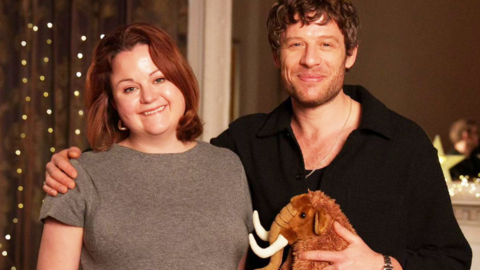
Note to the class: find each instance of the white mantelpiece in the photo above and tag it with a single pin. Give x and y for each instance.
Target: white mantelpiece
(466, 206)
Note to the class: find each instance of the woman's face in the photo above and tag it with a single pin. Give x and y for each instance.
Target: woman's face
(147, 103)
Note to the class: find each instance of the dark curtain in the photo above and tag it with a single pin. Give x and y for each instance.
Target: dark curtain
(42, 75)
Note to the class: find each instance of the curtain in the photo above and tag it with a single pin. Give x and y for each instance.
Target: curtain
(45, 51)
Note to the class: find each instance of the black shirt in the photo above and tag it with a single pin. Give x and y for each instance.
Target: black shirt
(387, 180)
(314, 180)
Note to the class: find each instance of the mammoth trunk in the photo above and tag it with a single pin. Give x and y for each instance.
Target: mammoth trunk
(277, 239)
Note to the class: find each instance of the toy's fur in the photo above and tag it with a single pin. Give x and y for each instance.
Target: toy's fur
(328, 240)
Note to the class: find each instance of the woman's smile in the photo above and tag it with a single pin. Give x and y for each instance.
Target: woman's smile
(154, 111)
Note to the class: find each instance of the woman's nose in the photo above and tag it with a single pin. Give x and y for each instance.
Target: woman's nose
(149, 95)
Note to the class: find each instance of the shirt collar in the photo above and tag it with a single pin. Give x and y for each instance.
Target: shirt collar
(375, 115)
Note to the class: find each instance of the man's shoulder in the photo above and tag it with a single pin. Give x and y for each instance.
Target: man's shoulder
(401, 122)
(241, 131)
(248, 126)
(382, 115)
(256, 120)
(407, 130)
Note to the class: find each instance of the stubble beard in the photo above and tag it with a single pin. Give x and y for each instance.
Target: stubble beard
(322, 93)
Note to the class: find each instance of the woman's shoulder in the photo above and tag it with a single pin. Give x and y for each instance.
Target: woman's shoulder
(218, 156)
(216, 152)
(89, 159)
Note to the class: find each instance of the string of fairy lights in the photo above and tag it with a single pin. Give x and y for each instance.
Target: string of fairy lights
(25, 117)
(466, 189)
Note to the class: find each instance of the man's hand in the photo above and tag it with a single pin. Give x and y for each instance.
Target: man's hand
(356, 256)
(60, 173)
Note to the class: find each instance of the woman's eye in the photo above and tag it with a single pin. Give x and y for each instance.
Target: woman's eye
(303, 215)
(129, 89)
(159, 80)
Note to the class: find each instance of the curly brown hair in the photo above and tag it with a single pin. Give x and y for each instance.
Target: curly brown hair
(102, 117)
(283, 14)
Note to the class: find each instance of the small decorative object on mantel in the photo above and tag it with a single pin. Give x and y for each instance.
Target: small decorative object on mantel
(446, 161)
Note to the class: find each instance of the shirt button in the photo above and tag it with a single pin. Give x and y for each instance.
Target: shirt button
(299, 176)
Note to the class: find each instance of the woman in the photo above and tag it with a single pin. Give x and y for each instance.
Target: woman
(142, 101)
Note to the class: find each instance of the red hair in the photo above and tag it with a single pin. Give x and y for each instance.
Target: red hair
(102, 117)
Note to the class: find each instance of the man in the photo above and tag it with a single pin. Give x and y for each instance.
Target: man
(380, 167)
(465, 140)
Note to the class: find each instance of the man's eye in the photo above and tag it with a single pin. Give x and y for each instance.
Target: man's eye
(129, 89)
(326, 45)
(295, 45)
(159, 80)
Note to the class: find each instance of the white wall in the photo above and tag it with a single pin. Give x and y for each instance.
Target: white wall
(209, 49)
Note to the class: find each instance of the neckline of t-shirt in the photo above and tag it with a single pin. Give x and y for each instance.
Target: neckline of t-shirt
(119, 147)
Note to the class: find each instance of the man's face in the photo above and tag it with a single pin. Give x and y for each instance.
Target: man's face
(312, 60)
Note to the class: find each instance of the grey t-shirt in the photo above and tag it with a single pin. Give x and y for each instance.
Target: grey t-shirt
(189, 210)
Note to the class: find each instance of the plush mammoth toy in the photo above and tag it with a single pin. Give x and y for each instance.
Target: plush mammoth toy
(306, 223)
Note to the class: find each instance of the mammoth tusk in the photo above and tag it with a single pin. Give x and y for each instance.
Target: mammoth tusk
(261, 232)
(278, 245)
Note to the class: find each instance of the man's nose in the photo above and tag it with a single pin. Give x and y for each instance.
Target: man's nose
(311, 57)
(149, 95)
